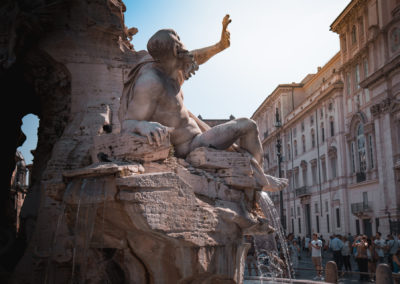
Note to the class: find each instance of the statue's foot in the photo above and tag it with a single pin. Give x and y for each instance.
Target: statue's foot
(275, 184)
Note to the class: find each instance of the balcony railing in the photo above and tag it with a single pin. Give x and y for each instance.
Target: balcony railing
(302, 191)
(360, 207)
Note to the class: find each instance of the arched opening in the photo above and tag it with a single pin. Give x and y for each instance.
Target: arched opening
(37, 87)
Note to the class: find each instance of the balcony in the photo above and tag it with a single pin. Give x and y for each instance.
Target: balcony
(302, 191)
(360, 208)
(361, 176)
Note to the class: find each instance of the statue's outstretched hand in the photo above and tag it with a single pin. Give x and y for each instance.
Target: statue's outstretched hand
(225, 41)
(154, 131)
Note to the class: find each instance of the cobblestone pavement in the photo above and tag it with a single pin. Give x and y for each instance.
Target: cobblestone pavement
(306, 271)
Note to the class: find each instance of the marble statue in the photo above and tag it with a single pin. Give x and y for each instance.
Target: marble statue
(152, 103)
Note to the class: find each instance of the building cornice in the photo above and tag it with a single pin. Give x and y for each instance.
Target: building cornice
(280, 88)
(348, 12)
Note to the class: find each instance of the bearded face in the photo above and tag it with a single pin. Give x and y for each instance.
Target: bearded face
(187, 64)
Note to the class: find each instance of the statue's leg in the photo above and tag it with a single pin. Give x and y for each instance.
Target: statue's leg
(224, 135)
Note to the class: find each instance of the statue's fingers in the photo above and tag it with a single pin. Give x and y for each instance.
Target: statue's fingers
(149, 139)
(156, 136)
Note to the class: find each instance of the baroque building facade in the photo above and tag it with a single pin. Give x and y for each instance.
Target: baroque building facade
(340, 130)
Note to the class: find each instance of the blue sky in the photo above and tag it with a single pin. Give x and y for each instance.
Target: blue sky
(272, 42)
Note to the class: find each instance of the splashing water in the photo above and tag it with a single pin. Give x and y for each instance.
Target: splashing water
(269, 259)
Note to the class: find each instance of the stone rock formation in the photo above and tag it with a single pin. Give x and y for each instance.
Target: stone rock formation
(102, 205)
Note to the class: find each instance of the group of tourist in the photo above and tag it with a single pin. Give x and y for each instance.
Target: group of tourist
(367, 252)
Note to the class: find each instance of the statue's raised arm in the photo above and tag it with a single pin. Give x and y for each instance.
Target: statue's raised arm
(203, 54)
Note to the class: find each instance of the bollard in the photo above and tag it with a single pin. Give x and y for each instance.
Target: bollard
(331, 275)
(384, 274)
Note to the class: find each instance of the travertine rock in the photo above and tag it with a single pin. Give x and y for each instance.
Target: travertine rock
(129, 147)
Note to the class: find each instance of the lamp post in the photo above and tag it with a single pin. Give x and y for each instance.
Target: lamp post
(278, 126)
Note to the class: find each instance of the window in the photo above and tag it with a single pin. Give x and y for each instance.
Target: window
(344, 43)
(361, 23)
(302, 126)
(332, 125)
(298, 210)
(337, 218)
(322, 112)
(354, 35)
(365, 198)
(296, 179)
(303, 140)
(292, 225)
(326, 206)
(349, 105)
(334, 167)
(357, 76)
(317, 220)
(361, 148)
(299, 223)
(304, 172)
(288, 152)
(330, 106)
(312, 138)
(294, 131)
(371, 152)
(323, 166)
(295, 148)
(322, 132)
(365, 64)
(314, 174)
(348, 83)
(353, 164)
(291, 211)
(327, 223)
(316, 207)
(311, 119)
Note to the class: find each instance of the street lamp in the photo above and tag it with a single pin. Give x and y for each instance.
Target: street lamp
(278, 125)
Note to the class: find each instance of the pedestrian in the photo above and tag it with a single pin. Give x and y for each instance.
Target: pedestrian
(361, 245)
(316, 257)
(307, 244)
(396, 262)
(379, 247)
(336, 246)
(373, 258)
(346, 251)
(391, 247)
(295, 255)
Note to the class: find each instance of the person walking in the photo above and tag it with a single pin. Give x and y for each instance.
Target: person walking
(316, 256)
(336, 246)
(346, 252)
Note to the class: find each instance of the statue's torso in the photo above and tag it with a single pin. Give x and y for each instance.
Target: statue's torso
(170, 111)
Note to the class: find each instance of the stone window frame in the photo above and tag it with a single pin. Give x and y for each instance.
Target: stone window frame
(313, 141)
(314, 172)
(332, 154)
(357, 119)
(353, 33)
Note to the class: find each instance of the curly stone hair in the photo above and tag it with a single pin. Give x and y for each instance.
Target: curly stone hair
(162, 43)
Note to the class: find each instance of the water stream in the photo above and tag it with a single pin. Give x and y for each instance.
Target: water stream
(273, 257)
